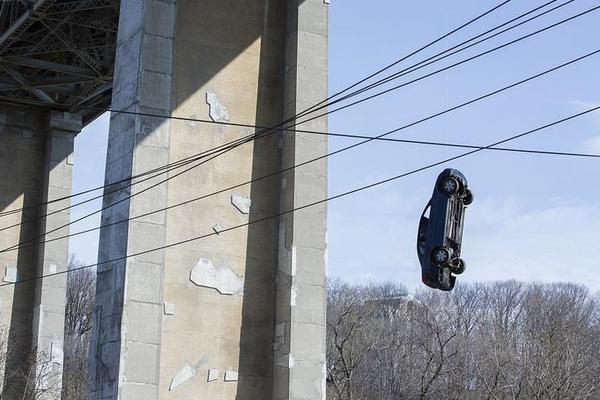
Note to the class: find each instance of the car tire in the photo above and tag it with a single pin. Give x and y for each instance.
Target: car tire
(459, 266)
(468, 199)
(440, 256)
(449, 186)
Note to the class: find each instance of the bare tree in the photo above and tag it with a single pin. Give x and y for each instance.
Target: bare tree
(81, 290)
(492, 341)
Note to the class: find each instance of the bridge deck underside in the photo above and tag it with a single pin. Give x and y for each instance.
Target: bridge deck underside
(58, 54)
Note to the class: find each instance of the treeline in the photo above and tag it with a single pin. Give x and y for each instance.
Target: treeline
(500, 341)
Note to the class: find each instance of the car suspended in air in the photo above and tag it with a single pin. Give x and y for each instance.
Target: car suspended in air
(440, 232)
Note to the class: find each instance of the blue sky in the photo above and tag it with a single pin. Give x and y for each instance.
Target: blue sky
(534, 217)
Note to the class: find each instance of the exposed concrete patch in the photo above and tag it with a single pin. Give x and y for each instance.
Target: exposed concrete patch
(56, 353)
(231, 376)
(216, 110)
(243, 204)
(213, 375)
(10, 274)
(293, 295)
(169, 308)
(184, 374)
(225, 281)
(52, 268)
(218, 228)
(286, 361)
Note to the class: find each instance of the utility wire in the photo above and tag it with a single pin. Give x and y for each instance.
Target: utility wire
(367, 140)
(256, 136)
(449, 52)
(290, 119)
(310, 119)
(315, 203)
(453, 65)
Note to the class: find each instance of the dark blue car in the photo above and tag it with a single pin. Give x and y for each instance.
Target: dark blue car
(440, 230)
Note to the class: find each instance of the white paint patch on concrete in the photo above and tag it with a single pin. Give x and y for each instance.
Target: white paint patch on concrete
(218, 228)
(56, 353)
(184, 374)
(169, 308)
(324, 382)
(225, 281)
(286, 361)
(52, 268)
(293, 267)
(71, 159)
(293, 295)
(216, 110)
(213, 375)
(231, 376)
(10, 274)
(243, 204)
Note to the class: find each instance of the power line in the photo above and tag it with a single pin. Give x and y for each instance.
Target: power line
(327, 199)
(308, 110)
(403, 141)
(291, 118)
(258, 135)
(449, 52)
(454, 65)
(367, 139)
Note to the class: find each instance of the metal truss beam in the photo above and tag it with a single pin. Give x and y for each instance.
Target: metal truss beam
(49, 65)
(25, 85)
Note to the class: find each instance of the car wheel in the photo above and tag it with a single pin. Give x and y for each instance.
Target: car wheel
(450, 186)
(440, 256)
(468, 199)
(458, 266)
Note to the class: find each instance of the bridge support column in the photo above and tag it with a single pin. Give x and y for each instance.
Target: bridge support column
(36, 163)
(238, 314)
(301, 281)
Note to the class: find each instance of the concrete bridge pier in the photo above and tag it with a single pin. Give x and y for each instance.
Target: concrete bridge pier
(35, 166)
(240, 314)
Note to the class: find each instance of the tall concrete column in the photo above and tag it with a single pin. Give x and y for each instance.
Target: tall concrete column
(125, 348)
(35, 166)
(198, 320)
(52, 257)
(301, 283)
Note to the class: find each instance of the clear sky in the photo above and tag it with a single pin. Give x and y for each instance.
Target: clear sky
(535, 217)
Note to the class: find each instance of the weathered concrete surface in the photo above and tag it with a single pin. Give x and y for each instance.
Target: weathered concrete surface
(34, 151)
(125, 347)
(223, 60)
(299, 371)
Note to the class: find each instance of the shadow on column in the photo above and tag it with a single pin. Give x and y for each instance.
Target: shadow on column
(258, 312)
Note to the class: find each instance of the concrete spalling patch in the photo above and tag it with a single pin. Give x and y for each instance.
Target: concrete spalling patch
(242, 203)
(218, 228)
(184, 374)
(231, 376)
(216, 109)
(213, 375)
(10, 274)
(219, 277)
(169, 308)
